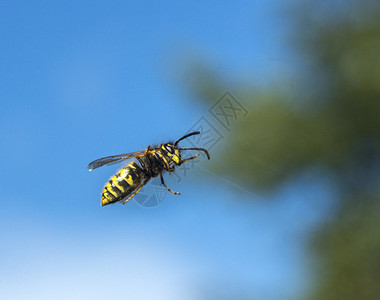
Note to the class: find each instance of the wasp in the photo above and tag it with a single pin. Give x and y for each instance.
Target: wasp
(130, 179)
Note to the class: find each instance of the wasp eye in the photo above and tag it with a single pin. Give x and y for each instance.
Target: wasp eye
(169, 149)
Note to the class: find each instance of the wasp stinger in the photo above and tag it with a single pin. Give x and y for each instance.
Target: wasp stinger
(129, 180)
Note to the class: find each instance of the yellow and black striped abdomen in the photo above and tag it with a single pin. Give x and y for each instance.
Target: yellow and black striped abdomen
(123, 183)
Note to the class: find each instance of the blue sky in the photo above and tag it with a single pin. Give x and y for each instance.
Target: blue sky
(91, 79)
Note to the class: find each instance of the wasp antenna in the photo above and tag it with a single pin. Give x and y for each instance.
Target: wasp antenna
(186, 136)
(201, 149)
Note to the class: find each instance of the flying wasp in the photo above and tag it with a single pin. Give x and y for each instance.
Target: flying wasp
(130, 179)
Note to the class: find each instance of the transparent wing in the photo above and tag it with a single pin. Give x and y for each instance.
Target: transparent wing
(114, 159)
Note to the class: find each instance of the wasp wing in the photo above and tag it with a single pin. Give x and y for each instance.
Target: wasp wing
(114, 159)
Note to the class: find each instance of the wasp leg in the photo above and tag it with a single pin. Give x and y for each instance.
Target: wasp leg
(134, 193)
(187, 159)
(149, 149)
(201, 149)
(162, 181)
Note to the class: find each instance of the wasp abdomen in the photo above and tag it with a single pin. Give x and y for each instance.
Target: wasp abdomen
(122, 183)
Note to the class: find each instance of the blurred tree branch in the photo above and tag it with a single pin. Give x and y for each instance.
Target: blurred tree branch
(338, 128)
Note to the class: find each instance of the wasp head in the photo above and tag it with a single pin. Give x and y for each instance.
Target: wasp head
(172, 153)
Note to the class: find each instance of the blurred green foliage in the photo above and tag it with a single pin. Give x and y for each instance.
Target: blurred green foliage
(331, 121)
(349, 248)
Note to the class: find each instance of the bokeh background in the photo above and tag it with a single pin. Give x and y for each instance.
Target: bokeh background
(288, 206)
